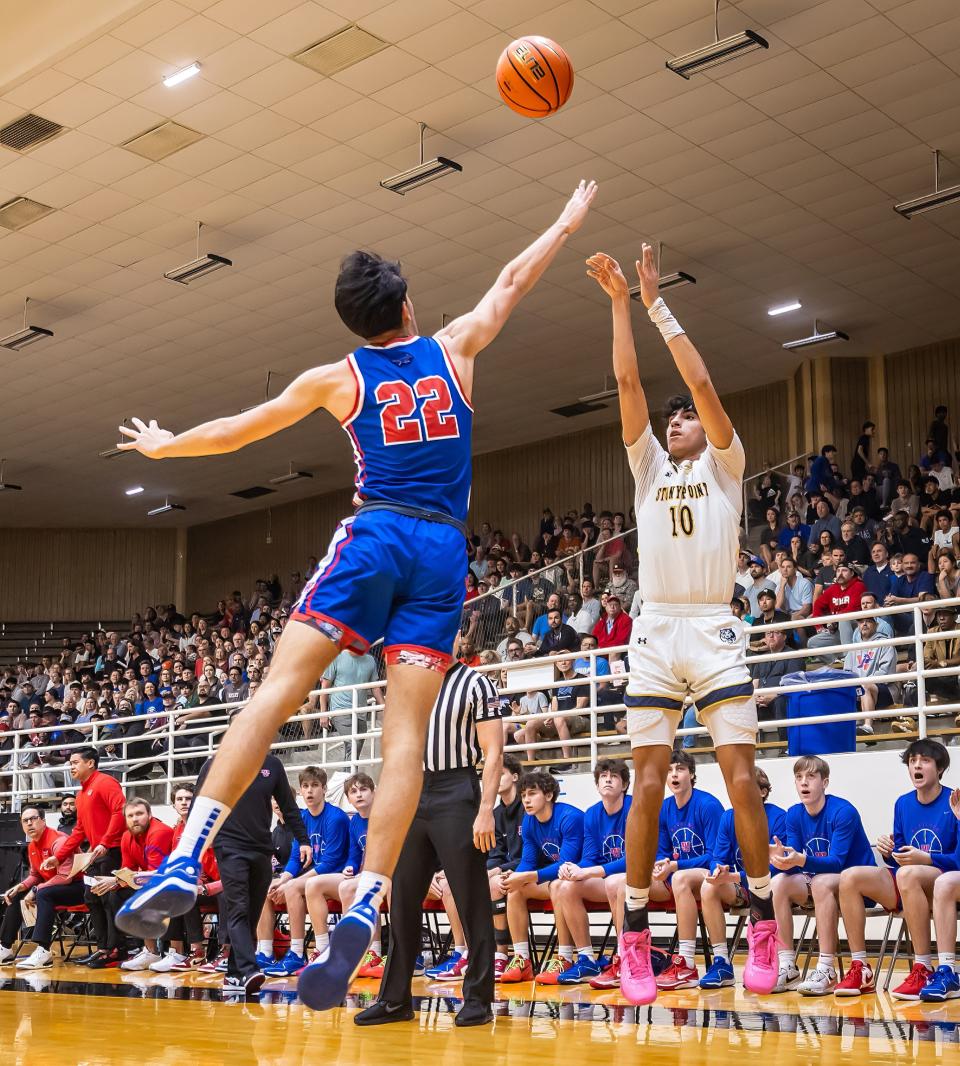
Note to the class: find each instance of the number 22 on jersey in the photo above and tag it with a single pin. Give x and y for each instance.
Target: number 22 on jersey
(404, 420)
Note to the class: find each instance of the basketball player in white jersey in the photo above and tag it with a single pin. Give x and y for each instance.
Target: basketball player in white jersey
(685, 640)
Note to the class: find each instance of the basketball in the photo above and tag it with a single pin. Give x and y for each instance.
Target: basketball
(534, 76)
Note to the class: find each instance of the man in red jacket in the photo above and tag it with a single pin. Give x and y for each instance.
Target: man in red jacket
(47, 888)
(613, 628)
(842, 597)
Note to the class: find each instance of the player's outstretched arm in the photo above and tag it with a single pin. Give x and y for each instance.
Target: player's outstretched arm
(689, 362)
(469, 334)
(312, 389)
(634, 414)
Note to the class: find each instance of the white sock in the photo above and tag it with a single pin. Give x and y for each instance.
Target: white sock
(371, 891)
(587, 952)
(521, 948)
(500, 955)
(786, 959)
(205, 818)
(296, 946)
(687, 949)
(323, 941)
(759, 886)
(636, 898)
(720, 951)
(565, 951)
(858, 956)
(265, 947)
(460, 949)
(376, 947)
(945, 958)
(827, 962)
(924, 960)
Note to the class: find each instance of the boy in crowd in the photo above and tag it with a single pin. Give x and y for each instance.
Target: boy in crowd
(552, 836)
(824, 837)
(922, 847)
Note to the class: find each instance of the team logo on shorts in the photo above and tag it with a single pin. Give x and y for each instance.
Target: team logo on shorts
(728, 635)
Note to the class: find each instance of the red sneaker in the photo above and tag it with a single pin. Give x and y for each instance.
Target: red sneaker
(678, 975)
(610, 977)
(313, 957)
(372, 965)
(857, 980)
(499, 965)
(517, 969)
(914, 984)
(552, 970)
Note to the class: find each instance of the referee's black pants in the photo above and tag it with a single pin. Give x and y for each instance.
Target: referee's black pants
(245, 876)
(442, 833)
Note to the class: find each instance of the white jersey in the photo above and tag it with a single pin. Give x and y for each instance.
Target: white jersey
(688, 521)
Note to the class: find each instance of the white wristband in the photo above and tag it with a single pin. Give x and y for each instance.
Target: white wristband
(661, 317)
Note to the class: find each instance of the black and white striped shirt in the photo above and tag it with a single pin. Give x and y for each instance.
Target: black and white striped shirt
(465, 699)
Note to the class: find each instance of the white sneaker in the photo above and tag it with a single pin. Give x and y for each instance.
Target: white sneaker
(143, 960)
(7, 956)
(39, 960)
(787, 979)
(821, 982)
(173, 960)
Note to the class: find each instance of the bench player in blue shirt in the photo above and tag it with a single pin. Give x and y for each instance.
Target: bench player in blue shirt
(944, 983)
(395, 569)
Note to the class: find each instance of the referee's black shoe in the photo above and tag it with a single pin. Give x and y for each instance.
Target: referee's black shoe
(473, 1012)
(383, 1013)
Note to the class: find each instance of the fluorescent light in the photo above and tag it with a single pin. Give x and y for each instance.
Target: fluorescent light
(938, 198)
(167, 506)
(711, 55)
(24, 337)
(817, 337)
(291, 475)
(597, 397)
(182, 75)
(197, 268)
(5, 486)
(795, 305)
(668, 281)
(425, 171)
(135, 491)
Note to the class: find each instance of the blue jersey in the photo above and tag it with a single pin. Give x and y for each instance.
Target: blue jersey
(604, 838)
(726, 849)
(411, 427)
(931, 827)
(833, 840)
(358, 842)
(548, 845)
(329, 833)
(688, 833)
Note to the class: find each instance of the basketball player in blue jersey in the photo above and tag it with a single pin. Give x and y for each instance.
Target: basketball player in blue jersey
(395, 569)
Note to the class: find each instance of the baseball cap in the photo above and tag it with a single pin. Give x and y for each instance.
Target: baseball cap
(66, 718)
(755, 560)
(767, 591)
(618, 567)
(166, 691)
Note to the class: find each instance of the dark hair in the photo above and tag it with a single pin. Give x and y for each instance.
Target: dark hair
(931, 749)
(369, 294)
(358, 780)
(827, 448)
(89, 755)
(612, 766)
(138, 801)
(678, 755)
(680, 402)
(944, 513)
(512, 764)
(868, 425)
(185, 787)
(940, 409)
(763, 782)
(540, 781)
(314, 775)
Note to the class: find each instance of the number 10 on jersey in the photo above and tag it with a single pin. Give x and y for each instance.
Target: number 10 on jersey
(682, 519)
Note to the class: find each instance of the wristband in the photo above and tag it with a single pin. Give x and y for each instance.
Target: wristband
(661, 317)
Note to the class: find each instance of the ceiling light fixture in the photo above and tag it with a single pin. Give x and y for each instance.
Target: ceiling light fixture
(135, 491)
(782, 309)
(665, 281)
(712, 55)
(26, 336)
(167, 506)
(4, 487)
(938, 198)
(292, 475)
(424, 172)
(817, 337)
(199, 267)
(182, 75)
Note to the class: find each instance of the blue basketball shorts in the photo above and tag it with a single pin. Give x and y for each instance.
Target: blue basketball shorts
(393, 576)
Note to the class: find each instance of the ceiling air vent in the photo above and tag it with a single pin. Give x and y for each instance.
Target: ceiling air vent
(573, 410)
(161, 141)
(340, 50)
(20, 212)
(27, 132)
(253, 492)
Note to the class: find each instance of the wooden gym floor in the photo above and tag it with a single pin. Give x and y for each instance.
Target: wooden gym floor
(67, 1016)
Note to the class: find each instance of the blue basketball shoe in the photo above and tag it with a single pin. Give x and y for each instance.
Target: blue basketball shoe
(171, 891)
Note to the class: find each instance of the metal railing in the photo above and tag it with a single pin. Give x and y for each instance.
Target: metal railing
(33, 769)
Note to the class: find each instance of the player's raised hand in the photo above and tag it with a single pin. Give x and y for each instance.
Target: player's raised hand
(606, 272)
(649, 274)
(572, 216)
(955, 802)
(149, 440)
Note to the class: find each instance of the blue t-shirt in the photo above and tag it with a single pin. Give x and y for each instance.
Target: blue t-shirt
(833, 840)
(329, 833)
(604, 838)
(548, 845)
(542, 624)
(726, 849)
(582, 666)
(931, 827)
(922, 584)
(787, 534)
(688, 834)
(358, 841)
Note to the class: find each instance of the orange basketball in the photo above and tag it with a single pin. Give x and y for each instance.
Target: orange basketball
(534, 76)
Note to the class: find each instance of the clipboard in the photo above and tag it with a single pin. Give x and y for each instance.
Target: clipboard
(128, 878)
(81, 861)
(29, 912)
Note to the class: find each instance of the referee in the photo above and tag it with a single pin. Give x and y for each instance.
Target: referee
(452, 829)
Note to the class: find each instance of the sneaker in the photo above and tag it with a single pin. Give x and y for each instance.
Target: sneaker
(499, 965)
(93, 957)
(372, 966)
(637, 981)
(39, 960)
(173, 960)
(914, 984)
(313, 957)
(418, 966)
(196, 959)
(290, 964)
(678, 975)
(583, 970)
(450, 969)
(760, 974)
(856, 981)
(864, 730)
(171, 891)
(788, 977)
(143, 960)
(609, 978)
(263, 960)
(107, 960)
(720, 975)
(942, 984)
(550, 971)
(217, 965)
(243, 986)
(518, 969)
(325, 984)
(7, 956)
(821, 982)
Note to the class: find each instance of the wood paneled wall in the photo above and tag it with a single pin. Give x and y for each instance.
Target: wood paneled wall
(760, 416)
(916, 382)
(84, 574)
(850, 396)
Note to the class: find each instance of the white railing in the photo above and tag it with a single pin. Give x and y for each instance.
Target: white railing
(358, 747)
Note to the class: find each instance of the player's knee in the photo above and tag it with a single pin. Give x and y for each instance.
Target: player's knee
(780, 886)
(821, 891)
(709, 892)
